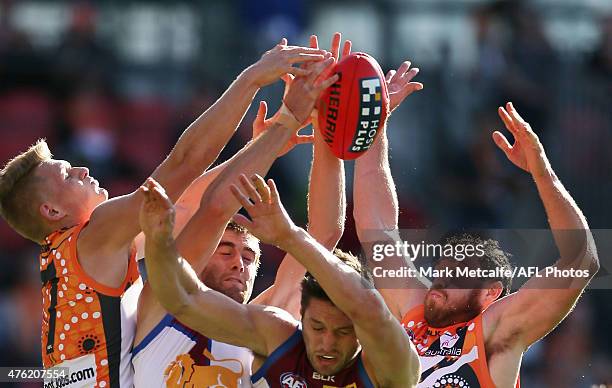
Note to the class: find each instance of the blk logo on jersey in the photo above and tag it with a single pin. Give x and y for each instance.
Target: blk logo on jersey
(369, 114)
(291, 380)
(317, 376)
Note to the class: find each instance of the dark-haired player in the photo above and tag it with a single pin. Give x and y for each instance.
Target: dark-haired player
(347, 336)
(467, 333)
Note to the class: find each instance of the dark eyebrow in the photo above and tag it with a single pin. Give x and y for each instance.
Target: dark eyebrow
(232, 245)
(250, 250)
(315, 321)
(345, 328)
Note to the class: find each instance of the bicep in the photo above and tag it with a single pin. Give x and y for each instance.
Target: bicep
(538, 307)
(113, 224)
(219, 317)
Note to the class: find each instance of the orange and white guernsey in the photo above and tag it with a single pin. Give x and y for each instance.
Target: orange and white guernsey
(452, 356)
(87, 327)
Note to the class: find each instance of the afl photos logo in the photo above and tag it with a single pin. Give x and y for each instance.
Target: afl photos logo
(291, 380)
(370, 112)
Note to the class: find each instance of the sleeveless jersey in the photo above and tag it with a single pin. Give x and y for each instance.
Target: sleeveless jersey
(172, 355)
(288, 367)
(86, 327)
(452, 356)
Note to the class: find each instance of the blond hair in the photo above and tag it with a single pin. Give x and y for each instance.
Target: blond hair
(19, 198)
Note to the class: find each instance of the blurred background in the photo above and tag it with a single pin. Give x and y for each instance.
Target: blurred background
(111, 85)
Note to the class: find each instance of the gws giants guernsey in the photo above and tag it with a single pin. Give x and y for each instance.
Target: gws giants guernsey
(172, 355)
(288, 367)
(452, 356)
(87, 327)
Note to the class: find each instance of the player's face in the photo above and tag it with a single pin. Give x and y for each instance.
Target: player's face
(70, 189)
(329, 337)
(451, 300)
(231, 270)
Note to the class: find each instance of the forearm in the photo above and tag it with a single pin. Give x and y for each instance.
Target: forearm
(326, 214)
(256, 158)
(374, 194)
(170, 276)
(326, 196)
(341, 283)
(567, 223)
(201, 143)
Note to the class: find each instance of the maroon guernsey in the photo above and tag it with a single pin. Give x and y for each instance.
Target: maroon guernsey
(288, 367)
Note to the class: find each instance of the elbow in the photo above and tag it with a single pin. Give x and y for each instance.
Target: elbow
(330, 239)
(215, 205)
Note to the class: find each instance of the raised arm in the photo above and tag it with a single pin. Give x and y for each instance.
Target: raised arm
(544, 301)
(178, 289)
(326, 210)
(217, 205)
(375, 198)
(389, 352)
(114, 224)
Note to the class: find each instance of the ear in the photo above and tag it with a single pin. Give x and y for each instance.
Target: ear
(492, 292)
(50, 212)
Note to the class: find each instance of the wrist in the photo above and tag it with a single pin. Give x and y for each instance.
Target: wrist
(293, 239)
(287, 119)
(250, 76)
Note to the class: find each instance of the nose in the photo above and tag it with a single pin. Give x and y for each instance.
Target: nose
(328, 341)
(237, 262)
(82, 172)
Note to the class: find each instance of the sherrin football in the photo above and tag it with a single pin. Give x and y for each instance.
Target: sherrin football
(353, 110)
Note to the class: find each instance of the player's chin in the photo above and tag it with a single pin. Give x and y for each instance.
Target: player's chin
(235, 293)
(327, 369)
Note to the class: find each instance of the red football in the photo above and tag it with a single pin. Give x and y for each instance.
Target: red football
(354, 109)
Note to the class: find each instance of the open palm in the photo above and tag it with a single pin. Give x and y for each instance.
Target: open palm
(269, 220)
(527, 152)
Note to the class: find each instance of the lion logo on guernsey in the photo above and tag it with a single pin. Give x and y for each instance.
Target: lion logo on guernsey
(183, 372)
(291, 380)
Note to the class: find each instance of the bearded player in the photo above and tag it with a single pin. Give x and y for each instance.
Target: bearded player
(87, 260)
(470, 332)
(169, 353)
(347, 336)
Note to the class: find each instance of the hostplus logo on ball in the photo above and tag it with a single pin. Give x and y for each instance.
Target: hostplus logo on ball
(369, 114)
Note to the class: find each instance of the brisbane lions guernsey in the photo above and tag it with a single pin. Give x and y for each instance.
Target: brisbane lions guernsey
(288, 367)
(87, 327)
(452, 356)
(173, 355)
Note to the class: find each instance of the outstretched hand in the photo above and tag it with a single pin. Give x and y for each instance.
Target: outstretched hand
(156, 212)
(261, 124)
(279, 61)
(527, 152)
(269, 220)
(399, 84)
(305, 90)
